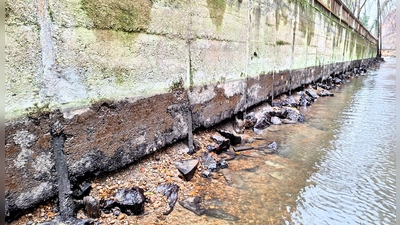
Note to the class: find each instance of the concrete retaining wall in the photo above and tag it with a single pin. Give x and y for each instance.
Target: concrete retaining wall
(124, 78)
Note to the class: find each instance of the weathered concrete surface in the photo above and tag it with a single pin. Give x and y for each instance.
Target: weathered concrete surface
(123, 77)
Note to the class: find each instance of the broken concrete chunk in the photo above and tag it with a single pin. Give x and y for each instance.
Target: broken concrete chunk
(262, 123)
(233, 139)
(187, 167)
(92, 207)
(250, 120)
(222, 142)
(273, 145)
(82, 190)
(130, 201)
(311, 93)
(209, 162)
(193, 204)
(171, 192)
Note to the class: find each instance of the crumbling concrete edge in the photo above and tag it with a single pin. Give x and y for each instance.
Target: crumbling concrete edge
(111, 135)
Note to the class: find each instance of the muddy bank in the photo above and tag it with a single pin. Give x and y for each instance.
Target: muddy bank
(161, 168)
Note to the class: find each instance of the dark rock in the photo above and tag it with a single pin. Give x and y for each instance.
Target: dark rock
(289, 101)
(250, 120)
(276, 104)
(304, 100)
(222, 164)
(337, 80)
(193, 204)
(82, 190)
(242, 148)
(130, 201)
(205, 174)
(187, 167)
(222, 142)
(262, 123)
(220, 214)
(92, 207)
(291, 113)
(324, 86)
(273, 145)
(301, 118)
(69, 221)
(209, 162)
(211, 148)
(233, 139)
(116, 211)
(171, 192)
(312, 94)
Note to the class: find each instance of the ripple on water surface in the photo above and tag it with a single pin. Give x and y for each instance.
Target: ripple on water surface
(355, 179)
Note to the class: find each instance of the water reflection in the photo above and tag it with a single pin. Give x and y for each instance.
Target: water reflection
(355, 178)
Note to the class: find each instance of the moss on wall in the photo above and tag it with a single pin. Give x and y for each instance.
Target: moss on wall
(125, 15)
(217, 11)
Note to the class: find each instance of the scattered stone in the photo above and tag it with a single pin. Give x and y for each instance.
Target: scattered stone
(83, 189)
(311, 93)
(209, 162)
(222, 142)
(242, 148)
(262, 123)
(337, 80)
(92, 207)
(250, 120)
(291, 113)
(273, 145)
(222, 164)
(193, 204)
(233, 139)
(276, 120)
(130, 201)
(187, 167)
(116, 211)
(304, 100)
(171, 192)
(211, 148)
(289, 101)
(220, 214)
(205, 174)
(325, 87)
(301, 118)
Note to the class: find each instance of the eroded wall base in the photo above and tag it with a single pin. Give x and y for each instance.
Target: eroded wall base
(110, 135)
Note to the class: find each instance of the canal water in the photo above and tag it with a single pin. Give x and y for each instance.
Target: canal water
(354, 181)
(336, 168)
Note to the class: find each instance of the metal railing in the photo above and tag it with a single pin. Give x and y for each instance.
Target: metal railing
(340, 10)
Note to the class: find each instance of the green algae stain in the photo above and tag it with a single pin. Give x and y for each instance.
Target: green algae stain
(217, 11)
(124, 15)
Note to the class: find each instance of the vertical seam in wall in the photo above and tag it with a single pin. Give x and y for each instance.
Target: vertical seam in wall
(246, 69)
(47, 49)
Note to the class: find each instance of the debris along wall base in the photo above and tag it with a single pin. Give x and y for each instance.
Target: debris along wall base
(123, 85)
